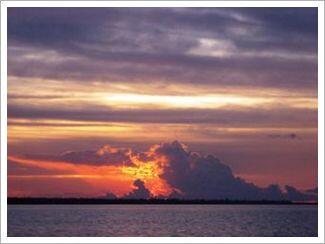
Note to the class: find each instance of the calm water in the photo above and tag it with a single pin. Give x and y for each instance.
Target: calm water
(162, 220)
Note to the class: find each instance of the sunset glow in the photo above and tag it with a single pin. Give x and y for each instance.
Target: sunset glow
(191, 103)
(98, 176)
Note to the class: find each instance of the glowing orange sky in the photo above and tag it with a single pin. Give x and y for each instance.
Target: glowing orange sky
(116, 179)
(243, 88)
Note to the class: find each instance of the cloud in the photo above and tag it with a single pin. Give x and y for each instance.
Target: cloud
(201, 176)
(140, 191)
(106, 155)
(206, 177)
(110, 195)
(114, 66)
(295, 195)
(258, 117)
(313, 190)
(183, 173)
(283, 136)
(119, 44)
(218, 48)
(59, 26)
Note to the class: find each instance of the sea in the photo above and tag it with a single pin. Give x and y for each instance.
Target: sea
(162, 220)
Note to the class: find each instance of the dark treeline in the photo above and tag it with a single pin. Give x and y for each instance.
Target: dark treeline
(33, 200)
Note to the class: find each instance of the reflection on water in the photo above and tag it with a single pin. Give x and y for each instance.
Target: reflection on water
(162, 220)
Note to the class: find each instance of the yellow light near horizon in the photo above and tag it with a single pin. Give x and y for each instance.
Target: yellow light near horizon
(143, 171)
(203, 101)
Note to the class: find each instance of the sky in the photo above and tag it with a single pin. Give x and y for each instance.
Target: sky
(170, 102)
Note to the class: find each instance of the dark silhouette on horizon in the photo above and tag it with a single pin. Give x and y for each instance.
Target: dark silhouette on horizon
(45, 200)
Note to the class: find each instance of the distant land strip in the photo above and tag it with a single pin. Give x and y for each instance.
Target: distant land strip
(34, 200)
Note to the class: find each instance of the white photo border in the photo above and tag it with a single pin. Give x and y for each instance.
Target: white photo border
(152, 4)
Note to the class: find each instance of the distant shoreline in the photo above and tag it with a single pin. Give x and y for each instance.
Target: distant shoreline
(96, 201)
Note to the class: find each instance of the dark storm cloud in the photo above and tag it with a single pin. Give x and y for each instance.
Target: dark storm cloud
(139, 44)
(296, 195)
(206, 177)
(257, 117)
(140, 191)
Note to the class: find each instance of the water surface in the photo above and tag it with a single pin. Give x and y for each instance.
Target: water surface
(162, 220)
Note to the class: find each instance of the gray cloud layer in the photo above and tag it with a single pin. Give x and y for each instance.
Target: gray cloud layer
(270, 47)
(298, 117)
(105, 155)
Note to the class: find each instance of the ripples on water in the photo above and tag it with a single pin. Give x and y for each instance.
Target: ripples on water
(162, 220)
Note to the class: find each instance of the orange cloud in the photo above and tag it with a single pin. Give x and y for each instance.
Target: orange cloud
(117, 179)
(167, 169)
